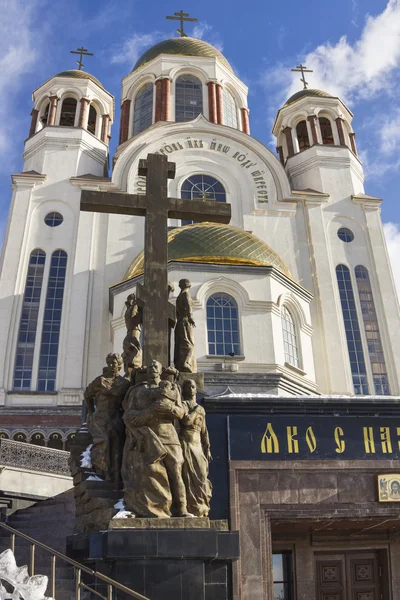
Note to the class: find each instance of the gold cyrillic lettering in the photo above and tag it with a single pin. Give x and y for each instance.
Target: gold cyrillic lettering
(269, 442)
(293, 444)
(341, 444)
(369, 443)
(385, 440)
(310, 439)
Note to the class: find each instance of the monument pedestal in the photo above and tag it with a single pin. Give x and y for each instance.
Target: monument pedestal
(162, 564)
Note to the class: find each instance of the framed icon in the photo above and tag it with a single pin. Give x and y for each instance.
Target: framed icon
(389, 487)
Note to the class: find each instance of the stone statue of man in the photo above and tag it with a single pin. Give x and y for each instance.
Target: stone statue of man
(152, 463)
(104, 398)
(184, 351)
(132, 350)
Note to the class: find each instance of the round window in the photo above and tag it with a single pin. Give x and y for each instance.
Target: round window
(346, 235)
(53, 219)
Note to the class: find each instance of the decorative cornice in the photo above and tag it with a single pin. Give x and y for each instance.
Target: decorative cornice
(40, 141)
(367, 202)
(28, 179)
(333, 162)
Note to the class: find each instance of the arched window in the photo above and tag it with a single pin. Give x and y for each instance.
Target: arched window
(189, 98)
(19, 437)
(68, 111)
(203, 187)
(52, 323)
(4, 435)
(92, 119)
(38, 439)
(372, 333)
(229, 109)
(143, 110)
(302, 135)
(222, 325)
(45, 114)
(326, 131)
(289, 338)
(29, 320)
(55, 441)
(352, 329)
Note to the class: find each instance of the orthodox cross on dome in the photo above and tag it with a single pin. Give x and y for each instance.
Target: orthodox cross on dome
(82, 52)
(157, 208)
(302, 69)
(182, 17)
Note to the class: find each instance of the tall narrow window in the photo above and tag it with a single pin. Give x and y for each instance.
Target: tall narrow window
(203, 187)
(92, 119)
(143, 109)
(372, 333)
(29, 320)
(302, 135)
(326, 131)
(45, 114)
(68, 111)
(189, 98)
(282, 569)
(222, 325)
(52, 323)
(289, 338)
(352, 328)
(229, 109)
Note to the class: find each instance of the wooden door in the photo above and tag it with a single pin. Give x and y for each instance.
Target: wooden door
(348, 576)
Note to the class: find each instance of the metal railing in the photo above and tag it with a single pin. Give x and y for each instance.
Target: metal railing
(111, 584)
(30, 457)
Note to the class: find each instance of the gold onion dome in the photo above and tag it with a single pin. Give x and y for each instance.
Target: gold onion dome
(79, 75)
(303, 93)
(212, 243)
(181, 46)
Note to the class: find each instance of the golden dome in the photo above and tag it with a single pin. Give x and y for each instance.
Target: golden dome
(213, 243)
(303, 93)
(79, 75)
(183, 46)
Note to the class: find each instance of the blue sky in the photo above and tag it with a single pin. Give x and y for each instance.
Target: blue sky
(352, 45)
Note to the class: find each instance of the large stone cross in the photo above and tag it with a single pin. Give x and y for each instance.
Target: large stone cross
(156, 207)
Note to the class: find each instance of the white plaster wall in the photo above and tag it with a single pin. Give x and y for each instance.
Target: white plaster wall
(32, 483)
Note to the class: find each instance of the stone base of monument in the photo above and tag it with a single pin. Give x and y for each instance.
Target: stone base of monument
(162, 563)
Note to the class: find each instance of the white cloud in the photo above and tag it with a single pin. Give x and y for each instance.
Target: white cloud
(392, 234)
(132, 48)
(204, 31)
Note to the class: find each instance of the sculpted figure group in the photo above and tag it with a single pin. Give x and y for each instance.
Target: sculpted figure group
(148, 431)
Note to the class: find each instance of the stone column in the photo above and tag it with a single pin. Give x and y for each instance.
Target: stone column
(245, 120)
(104, 128)
(159, 94)
(124, 124)
(312, 119)
(51, 119)
(220, 116)
(279, 151)
(339, 124)
(289, 140)
(34, 115)
(212, 102)
(165, 99)
(83, 115)
(352, 137)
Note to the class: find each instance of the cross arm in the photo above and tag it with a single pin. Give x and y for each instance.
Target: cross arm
(113, 202)
(195, 210)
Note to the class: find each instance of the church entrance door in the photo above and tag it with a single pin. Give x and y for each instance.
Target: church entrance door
(348, 576)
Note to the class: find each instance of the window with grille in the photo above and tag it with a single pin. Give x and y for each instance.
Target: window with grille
(352, 329)
(222, 325)
(229, 109)
(29, 320)
(143, 109)
(289, 338)
(92, 120)
(302, 136)
(188, 98)
(52, 323)
(203, 187)
(68, 112)
(326, 131)
(372, 333)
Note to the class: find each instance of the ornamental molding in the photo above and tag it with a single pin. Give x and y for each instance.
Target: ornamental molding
(41, 141)
(28, 457)
(348, 161)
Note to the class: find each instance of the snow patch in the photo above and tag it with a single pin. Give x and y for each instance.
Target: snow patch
(124, 514)
(120, 505)
(86, 457)
(94, 478)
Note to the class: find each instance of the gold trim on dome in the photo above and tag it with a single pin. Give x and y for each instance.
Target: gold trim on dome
(182, 46)
(213, 243)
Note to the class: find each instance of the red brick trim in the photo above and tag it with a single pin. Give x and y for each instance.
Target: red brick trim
(212, 102)
(105, 128)
(245, 120)
(339, 123)
(124, 126)
(312, 119)
(51, 119)
(352, 137)
(289, 140)
(220, 116)
(165, 99)
(34, 115)
(158, 105)
(279, 151)
(83, 112)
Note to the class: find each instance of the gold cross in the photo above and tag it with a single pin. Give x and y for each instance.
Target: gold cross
(182, 17)
(82, 52)
(302, 69)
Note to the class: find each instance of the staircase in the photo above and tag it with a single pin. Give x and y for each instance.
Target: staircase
(49, 522)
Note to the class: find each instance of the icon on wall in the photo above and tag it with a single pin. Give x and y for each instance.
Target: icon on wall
(389, 487)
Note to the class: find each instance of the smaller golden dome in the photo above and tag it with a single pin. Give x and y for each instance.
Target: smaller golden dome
(213, 243)
(181, 46)
(303, 93)
(79, 75)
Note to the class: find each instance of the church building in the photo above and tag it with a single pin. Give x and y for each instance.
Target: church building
(297, 318)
